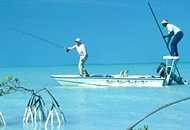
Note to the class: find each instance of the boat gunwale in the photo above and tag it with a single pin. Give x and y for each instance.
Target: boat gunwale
(116, 78)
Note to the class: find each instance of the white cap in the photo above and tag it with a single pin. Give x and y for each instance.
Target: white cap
(164, 21)
(77, 40)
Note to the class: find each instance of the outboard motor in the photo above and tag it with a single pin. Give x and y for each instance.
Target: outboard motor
(161, 70)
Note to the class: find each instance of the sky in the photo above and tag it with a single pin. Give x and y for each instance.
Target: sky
(114, 32)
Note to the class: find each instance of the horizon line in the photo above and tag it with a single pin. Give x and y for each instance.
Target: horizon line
(89, 64)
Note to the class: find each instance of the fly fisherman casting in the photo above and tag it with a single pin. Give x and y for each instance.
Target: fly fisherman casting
(81, 49)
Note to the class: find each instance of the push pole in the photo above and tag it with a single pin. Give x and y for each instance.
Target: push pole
(153, 14)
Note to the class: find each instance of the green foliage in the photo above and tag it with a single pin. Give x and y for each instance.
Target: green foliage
(144, 128)
(37, 103)
(8, 85)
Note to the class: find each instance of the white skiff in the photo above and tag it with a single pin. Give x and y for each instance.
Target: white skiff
(166, 76)
(111, 80)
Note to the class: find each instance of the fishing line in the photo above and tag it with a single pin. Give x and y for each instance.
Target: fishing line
(38, 37)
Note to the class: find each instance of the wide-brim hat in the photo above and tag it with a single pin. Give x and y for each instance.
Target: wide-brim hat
(164, 21)
(77, 40)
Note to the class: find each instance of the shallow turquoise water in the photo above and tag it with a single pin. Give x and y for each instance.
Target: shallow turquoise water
(100, 108)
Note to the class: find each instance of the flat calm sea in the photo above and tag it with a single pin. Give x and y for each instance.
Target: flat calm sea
(102, 108)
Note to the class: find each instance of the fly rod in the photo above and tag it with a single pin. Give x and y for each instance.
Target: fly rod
(158, 109)
(38, 37)
(153, 14)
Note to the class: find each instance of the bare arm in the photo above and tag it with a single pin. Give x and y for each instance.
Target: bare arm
(70, 48)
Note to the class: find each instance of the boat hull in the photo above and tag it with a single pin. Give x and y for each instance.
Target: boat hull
(112, 81)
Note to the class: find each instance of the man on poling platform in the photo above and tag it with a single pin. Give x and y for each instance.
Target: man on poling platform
(174, 35)
(81, 49)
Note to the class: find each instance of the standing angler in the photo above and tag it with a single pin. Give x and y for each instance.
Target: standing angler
(81, 49)
(175, 34)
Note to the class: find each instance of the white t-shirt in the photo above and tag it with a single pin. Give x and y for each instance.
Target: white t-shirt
(81, 49)
(173, 28)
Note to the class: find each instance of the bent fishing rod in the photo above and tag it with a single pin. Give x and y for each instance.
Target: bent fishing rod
(153, 14)
(38, 37)
(157, 110)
